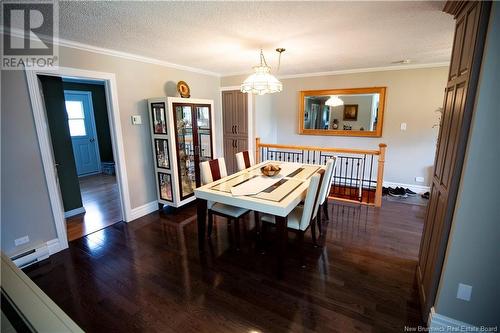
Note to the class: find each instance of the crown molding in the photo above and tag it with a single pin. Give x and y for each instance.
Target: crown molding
(131, 56)
(354, 71)
(136, 57)
(115, 53)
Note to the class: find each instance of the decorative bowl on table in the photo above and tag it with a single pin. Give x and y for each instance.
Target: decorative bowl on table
(270, 170)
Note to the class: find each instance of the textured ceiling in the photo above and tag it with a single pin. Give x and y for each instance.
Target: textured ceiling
(225, 37)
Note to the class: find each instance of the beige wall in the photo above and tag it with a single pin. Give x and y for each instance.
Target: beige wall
(25, 186)
(412, 97)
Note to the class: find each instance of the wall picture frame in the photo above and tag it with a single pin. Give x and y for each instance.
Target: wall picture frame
(165, 186)
(350, 112)
(162, 153)
(159, 118)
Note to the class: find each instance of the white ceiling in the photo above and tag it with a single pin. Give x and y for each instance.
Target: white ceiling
(225, 37)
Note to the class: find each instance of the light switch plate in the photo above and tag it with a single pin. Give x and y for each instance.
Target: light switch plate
(464, 292)
(136, 120)
(22, 240)
(403, 126)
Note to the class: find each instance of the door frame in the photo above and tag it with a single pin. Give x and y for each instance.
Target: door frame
(47, 154)
(88, 94)
(251, 133)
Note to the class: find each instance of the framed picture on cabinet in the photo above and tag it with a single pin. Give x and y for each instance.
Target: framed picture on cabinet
(162, 153)
(165, 183)
(159, 118)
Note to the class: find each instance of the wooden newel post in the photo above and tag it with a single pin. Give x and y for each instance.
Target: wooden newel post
(380, 175)
(257, 150)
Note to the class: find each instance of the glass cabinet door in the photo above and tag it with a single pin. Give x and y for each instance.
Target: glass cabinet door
(204, 131)
(185, 140)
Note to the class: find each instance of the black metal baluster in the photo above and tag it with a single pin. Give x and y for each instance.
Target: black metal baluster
(370, 183)
(363, 177)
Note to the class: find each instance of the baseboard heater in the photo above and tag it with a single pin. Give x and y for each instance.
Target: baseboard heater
(30, 257)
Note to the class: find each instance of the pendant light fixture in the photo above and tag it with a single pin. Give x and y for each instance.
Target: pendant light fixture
(262, 81)
(334, 101)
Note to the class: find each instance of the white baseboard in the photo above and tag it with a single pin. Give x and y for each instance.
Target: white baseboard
(54, 246)
(415, 188)
(440, 323)
(39, 253)
(73, 212)
(143, 210)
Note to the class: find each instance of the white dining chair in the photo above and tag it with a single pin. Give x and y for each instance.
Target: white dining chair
(325, 190)
(244, 160)
(303, 217)
(211, 171)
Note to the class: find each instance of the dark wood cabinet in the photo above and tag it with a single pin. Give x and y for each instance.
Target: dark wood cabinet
(235, 124)
(468, 45)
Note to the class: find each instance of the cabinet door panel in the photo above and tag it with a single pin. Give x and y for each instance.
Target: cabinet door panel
(241, 145)
(453, 133)
(228, 104)
(470, 33)
(443, 131)
(229, 154)
(185, 141)
(457, 48)
(240, 115)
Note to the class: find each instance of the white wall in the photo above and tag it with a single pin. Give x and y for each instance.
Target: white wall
(26, 211)
(413, 95)
(473, 254)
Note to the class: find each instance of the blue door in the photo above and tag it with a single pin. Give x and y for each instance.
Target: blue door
(82, 130)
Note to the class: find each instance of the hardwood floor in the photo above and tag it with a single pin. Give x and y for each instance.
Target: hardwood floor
(148, 275)
(101, 201)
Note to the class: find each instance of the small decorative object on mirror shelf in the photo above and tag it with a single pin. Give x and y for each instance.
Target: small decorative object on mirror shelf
(183, 89)
(335, 124)
(270, 170)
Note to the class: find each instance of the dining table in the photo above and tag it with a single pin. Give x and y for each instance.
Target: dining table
(277, 195)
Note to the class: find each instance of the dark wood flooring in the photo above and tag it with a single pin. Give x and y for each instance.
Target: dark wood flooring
(148, 276)
(352, 193)
(101, 201)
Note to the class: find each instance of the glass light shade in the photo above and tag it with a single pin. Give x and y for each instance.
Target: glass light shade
(261, 82)
(334, 101)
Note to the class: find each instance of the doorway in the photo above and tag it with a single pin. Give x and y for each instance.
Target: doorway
(80, 137)
(88, 123)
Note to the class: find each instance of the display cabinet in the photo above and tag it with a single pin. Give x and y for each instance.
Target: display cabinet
(182, 137)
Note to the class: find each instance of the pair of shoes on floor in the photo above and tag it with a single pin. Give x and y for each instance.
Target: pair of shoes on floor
(401, 192)
(426, 195)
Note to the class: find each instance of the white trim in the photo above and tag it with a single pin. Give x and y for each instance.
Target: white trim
(250, 120)
(73, 212)
(54, 246)
(146, 209)
(440, 323)
(45, 144)
(414, 188)
(39, 253)
(353, 71)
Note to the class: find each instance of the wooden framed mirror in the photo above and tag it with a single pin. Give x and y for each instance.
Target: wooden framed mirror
(344, 112)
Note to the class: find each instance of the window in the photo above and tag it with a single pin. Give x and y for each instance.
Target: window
(76, 118)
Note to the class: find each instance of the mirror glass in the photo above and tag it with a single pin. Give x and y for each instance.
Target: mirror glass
(356, 112)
